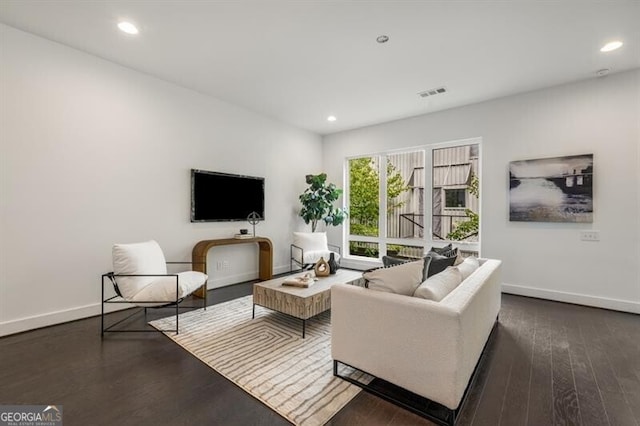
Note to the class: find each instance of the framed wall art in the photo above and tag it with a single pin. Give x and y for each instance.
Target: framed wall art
(558, 189)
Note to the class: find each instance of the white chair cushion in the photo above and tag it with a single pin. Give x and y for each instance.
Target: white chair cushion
(163, 289)
(437, 286)
(311, 241)
(399, 279)
(314, 256)
(314, 245)
(468, 266)
(137, 258)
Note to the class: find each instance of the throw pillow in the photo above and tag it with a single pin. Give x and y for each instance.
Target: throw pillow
(442, 250)
(439, 263)
(425, 268)
(137, 259)
(311, 241)
(440, 285)
(449, 253)
(392, 261)
(365, 272)
(468, 266)
(400, 279)
(459, 258)
(389, 261)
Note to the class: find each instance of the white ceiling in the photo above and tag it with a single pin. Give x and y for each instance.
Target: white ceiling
(300, 61)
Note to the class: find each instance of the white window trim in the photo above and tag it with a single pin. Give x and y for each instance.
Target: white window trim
(427, 242)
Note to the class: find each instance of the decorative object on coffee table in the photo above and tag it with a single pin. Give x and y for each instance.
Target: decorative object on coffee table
(322, 268)
(333, 265)
(304, 281)
(253, 219)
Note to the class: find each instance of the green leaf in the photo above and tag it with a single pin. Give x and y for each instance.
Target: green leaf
(317, 202)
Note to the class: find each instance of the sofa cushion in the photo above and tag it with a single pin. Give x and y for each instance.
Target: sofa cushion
(438, 286)
(399, 279)
(163, 289)
(468, 266)
(439, 263)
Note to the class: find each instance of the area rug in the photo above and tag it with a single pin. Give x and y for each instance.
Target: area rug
(268, 358)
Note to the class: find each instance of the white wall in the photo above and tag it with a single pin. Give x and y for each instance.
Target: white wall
(92, 153)
(599, 116)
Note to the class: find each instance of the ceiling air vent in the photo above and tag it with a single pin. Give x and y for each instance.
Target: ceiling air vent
(432, 92)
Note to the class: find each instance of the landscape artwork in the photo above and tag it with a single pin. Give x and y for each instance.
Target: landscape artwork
(556, 189)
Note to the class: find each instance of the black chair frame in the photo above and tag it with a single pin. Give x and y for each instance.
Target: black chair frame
(305, 266)
(119, 299)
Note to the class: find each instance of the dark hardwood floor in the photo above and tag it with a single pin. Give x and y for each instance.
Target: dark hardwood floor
(547, 363)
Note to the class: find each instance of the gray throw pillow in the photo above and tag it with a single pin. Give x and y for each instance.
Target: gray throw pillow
(439, 263)
(425, 267)
(392, 261)
(442, 250)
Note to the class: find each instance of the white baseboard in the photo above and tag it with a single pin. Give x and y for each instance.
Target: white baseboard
(57, 317)
(578, 299)
(72, 314)
(81, 312)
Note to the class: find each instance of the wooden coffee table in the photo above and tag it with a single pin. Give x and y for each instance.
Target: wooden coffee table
(302, 303)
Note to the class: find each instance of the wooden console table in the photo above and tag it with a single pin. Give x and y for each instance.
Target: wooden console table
(265, 257)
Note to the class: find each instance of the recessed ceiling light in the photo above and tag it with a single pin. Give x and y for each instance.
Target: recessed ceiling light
(128, 27)
(382, 39)
(331, 118)
(611, 46)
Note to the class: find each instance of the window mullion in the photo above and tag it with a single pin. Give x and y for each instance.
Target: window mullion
(382, 200)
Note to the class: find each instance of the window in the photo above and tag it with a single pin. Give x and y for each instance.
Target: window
(376, 221)
(364, 207)
(456, 182)
(388, 210)
(455, 198)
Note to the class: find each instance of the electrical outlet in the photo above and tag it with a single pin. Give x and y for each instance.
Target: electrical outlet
(590, 235)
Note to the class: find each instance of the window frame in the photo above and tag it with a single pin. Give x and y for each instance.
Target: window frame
(458, 191)
(427, 240)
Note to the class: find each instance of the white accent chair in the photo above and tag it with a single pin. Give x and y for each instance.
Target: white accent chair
(140, 278)
(308, 247)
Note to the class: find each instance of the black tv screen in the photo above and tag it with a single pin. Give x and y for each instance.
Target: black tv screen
(217, 197)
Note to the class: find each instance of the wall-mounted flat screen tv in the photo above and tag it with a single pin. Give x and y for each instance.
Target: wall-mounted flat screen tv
(219, 197)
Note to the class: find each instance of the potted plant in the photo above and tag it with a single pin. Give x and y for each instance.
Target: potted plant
(317, 202)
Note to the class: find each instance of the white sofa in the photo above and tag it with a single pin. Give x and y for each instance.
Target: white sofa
(429, 348)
